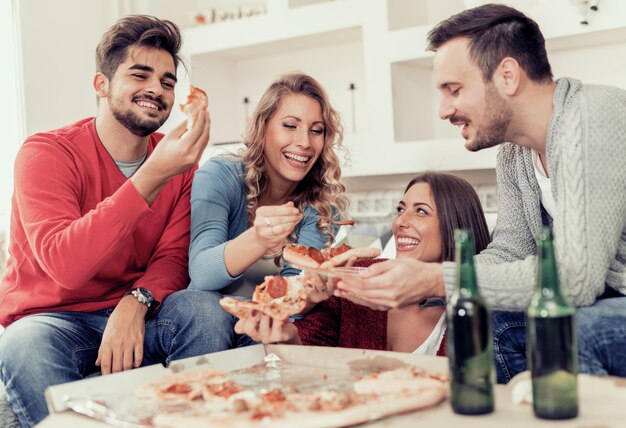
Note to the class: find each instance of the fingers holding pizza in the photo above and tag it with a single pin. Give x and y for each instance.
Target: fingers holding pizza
(180, 149)
(279, 297)
(265, 329)
(265, 317)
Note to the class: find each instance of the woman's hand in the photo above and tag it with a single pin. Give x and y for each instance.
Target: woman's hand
(274, 223)
(262, 328)
(393, 284)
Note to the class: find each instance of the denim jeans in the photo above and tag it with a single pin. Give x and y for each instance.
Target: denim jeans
(509, 344)
(601, 334)
(52, 348)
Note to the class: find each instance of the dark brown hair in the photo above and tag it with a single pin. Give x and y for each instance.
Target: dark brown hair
(136, 30)
(495, 32)
(458, 207)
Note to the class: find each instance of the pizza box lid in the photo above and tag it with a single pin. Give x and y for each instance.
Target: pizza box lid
(601, 399)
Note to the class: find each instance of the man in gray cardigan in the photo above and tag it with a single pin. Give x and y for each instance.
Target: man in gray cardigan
(562, 162)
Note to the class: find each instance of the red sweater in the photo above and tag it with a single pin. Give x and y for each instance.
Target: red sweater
(81, 234)
(339, 322)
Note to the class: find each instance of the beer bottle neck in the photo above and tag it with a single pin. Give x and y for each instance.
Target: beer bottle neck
(466, 283)
(548, 293)
(548, 276)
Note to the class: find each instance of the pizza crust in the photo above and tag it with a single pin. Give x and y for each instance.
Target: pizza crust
(291, 255)
(358, 253)
(295, 254)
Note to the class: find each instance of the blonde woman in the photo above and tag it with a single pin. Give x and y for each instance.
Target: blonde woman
(280, 190)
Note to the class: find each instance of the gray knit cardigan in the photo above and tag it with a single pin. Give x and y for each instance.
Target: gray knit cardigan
(586, 155)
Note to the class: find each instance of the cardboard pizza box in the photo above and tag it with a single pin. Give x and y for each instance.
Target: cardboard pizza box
(601, 399)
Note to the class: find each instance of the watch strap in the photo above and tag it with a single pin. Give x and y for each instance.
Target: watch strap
(432, 301)
(144, 296)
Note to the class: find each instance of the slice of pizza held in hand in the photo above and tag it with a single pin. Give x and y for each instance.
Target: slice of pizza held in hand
(197, 102)
(279, 297)
(310, 257)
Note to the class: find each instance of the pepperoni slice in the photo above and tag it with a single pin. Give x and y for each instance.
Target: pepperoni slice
(178, 388)
(300, 249)
(335, 251)
(316, 255)
(277, 287)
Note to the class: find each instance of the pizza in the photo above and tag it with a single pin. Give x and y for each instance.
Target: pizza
(279, 297)
(370, 397)
(197, 102)
(346, 222)
(190, 386)
(310, 257)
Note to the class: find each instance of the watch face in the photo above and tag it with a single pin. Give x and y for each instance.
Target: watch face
(143, 296)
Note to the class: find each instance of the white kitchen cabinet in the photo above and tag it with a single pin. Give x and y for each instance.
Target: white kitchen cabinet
(392, 128)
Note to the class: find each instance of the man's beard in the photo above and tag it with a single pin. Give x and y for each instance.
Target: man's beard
(135, 124)
(498, 116)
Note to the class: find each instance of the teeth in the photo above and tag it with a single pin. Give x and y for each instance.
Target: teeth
(408, 241)
(303, 159)
(147, 104)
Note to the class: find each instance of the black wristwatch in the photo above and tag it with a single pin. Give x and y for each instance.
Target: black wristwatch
(432, 301)
(143, 295)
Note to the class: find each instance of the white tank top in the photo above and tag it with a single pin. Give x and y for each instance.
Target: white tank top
(432, 343)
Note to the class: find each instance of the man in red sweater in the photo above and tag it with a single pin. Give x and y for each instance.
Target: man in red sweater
(100, 231)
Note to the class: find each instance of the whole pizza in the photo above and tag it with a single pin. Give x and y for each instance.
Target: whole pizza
(214, 399)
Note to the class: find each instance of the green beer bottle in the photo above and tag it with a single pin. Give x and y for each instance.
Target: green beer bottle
(470, 347)
(552, 350)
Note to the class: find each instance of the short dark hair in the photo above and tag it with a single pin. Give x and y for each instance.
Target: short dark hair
(136, 30)
(495, 32)
(458, 207)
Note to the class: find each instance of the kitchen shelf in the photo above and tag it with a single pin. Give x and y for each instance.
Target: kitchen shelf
(392, 127)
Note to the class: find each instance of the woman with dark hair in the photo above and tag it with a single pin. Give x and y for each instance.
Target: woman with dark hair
(433, 205)
(281, 189)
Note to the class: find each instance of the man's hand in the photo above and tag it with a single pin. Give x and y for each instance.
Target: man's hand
(178, 151)
(122, 340)
(393, 284)
(262, 328)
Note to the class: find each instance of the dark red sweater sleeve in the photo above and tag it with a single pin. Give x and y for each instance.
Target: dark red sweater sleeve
(320, 327)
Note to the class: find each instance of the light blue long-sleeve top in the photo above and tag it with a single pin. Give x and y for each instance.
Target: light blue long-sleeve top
(219, 214)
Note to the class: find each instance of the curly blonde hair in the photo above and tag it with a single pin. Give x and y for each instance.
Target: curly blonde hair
(322, 187)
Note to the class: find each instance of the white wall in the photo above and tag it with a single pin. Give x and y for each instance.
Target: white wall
(59, 39)
(10, 116)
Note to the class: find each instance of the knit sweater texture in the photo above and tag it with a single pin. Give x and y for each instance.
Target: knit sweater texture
(586, 157)
(82, 235)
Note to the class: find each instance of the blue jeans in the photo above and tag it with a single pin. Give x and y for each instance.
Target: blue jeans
(53, 348)
(601, 334)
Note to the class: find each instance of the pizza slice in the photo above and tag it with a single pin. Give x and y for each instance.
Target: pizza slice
(279, 297)
(303, 256)
(311, 258)
(197, 102)
(191, 386)
(341, 258)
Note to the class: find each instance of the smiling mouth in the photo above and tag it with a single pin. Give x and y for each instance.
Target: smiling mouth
(405, 243)
(296, 160)
(148, 104)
